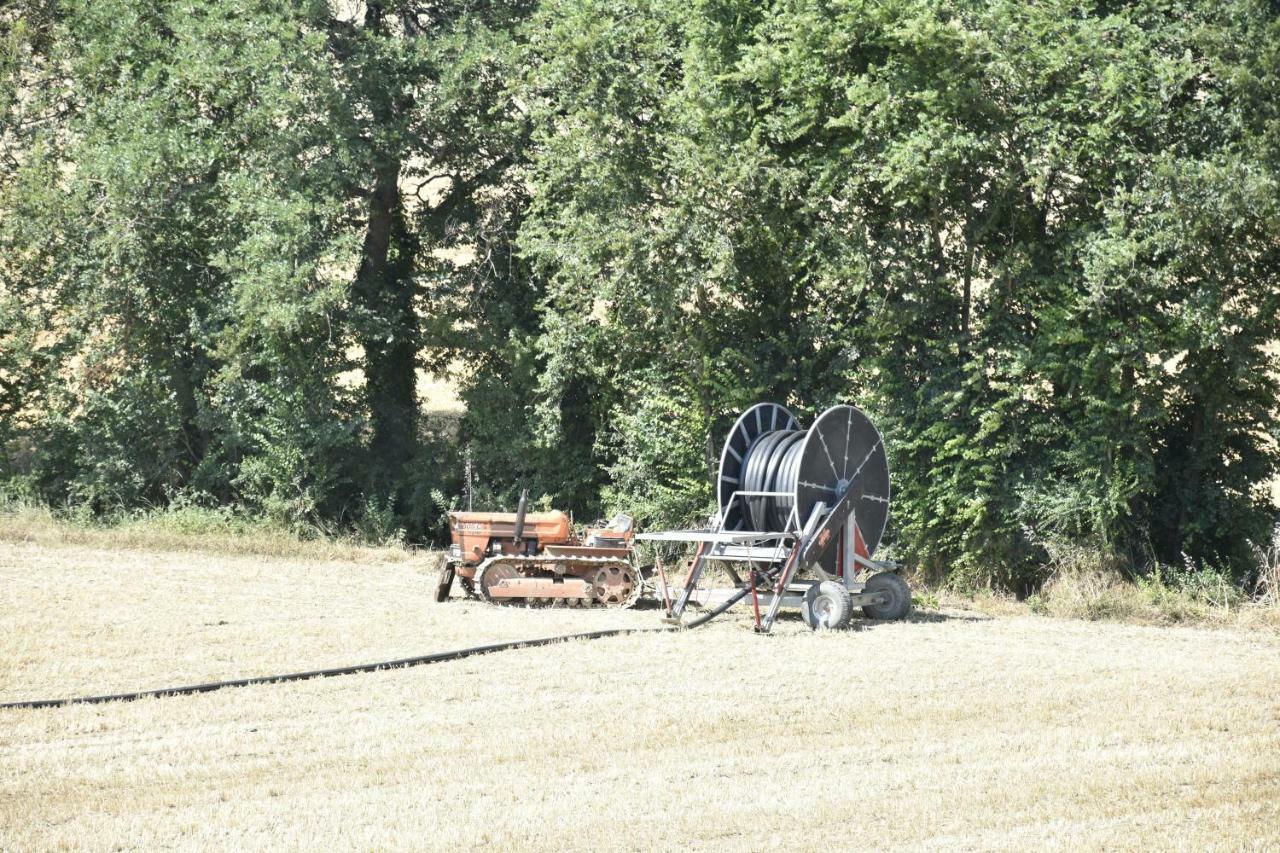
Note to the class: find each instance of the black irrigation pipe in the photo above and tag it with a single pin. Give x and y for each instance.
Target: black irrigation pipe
(209, 687)
(438, 657)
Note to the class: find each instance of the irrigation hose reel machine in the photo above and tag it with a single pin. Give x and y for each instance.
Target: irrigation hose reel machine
(798, 501)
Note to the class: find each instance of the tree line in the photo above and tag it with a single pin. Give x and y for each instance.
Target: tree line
(1038, 242)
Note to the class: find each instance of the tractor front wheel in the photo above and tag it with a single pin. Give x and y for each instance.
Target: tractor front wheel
(444, 582)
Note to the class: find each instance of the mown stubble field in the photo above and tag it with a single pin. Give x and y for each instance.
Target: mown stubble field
(949, 731)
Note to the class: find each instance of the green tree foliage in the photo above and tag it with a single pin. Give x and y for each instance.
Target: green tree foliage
(680, 253)
(232, 213)
(1036, 241)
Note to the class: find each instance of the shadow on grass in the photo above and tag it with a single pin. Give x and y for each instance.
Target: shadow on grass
(858, 622)
(923, 617)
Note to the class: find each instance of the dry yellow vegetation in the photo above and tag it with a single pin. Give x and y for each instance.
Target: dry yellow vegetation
(949, 731)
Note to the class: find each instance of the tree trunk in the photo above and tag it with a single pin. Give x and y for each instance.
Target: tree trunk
(194, 438)
(384, 291)
(1190, 488)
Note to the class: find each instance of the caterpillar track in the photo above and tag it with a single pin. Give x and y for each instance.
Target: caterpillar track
(546, 580)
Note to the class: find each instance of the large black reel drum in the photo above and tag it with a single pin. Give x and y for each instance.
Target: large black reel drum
(768, 451)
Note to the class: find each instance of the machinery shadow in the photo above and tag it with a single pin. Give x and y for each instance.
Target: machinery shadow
(922, 617)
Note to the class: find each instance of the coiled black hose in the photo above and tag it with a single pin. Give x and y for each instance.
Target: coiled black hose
(772, 464)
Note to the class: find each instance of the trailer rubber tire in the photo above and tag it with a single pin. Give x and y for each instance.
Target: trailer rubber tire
(899, 594)
(826, 606)
(444, 582)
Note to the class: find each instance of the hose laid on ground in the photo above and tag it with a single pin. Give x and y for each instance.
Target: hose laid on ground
(725, 605)
(438, 657)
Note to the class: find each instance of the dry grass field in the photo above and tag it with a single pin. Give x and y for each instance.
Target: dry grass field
(952, 730)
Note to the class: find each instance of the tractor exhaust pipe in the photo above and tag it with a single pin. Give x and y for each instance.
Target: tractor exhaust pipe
(521, 511)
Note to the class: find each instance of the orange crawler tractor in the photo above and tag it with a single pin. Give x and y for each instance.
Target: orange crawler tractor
(535, 558)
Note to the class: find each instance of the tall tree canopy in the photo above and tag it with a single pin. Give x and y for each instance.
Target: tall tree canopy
(1038, 242)
(233, 217)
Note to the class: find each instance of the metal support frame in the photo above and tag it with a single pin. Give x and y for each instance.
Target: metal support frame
(777, 556)
(791, 565)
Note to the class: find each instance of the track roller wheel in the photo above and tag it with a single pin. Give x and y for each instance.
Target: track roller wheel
(444, 581)
(897, 596)
(826, 606)
(491, 573)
